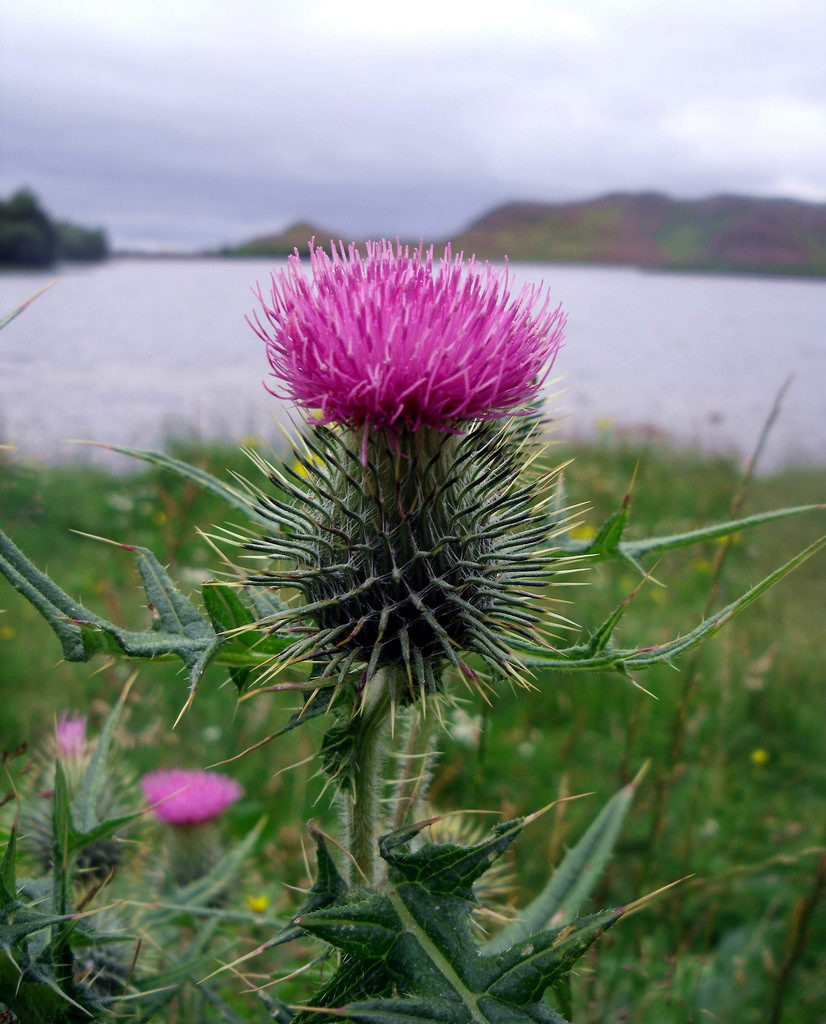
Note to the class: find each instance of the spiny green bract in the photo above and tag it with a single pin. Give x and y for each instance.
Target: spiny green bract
(421, 549)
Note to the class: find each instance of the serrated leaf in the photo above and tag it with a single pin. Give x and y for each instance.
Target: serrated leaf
(227, 613)
(328, 889)
(588, 657)
(183, 632)
(418, 926)
(54, 604)
(447, 867)
(575, 877)
(608, 542)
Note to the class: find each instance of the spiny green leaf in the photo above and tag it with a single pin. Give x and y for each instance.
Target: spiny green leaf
(584, 657)
(449, 867)
(228, 613)
(182, 632)
(328, 889)
(574, 879)
(411, 1011)
(417, 925)
(527, 969)
(225, 608)
(608, 543)
(59, 610)
(328, 886)
(638, 549)
(355, 979)
(608, 536)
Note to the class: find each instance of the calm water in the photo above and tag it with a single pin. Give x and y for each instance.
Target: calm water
(132, 352)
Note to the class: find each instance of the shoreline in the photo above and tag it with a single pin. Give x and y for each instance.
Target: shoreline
(639, 439)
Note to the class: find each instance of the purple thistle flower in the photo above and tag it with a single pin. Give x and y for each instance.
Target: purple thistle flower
(70, 734)
(390, 341)
(184, 796)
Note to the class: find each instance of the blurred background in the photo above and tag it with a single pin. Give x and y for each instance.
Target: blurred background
(622, 138)
(661, 169)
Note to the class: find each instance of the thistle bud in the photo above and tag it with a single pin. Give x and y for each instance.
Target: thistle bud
(70, 745)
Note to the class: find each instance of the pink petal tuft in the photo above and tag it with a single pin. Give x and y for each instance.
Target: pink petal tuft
(70, 733)
(388, 340)
(186, 797)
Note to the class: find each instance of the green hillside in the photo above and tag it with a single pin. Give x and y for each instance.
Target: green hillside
(722, 233)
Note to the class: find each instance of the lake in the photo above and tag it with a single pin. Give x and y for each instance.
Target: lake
(131, 352)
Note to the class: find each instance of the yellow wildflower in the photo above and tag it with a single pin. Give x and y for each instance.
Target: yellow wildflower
(258, 904)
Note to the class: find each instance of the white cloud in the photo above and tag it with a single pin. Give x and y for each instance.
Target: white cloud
(401, 118)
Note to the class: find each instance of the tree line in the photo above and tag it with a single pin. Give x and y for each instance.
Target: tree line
(29, 237)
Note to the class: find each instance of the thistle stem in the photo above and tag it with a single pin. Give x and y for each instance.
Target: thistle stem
(370, 744)
(411, 788)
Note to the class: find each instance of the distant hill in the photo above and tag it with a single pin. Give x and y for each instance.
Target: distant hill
(295, 237)
(721, 233)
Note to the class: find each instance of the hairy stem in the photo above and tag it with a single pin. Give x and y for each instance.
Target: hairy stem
(413, 780)
(374, 714)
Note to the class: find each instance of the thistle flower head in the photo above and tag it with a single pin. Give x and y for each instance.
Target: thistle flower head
(181, 796)
(414, 530)
(70, 736)
(390, 340)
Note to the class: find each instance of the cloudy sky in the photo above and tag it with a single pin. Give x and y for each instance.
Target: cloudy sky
(193, 122)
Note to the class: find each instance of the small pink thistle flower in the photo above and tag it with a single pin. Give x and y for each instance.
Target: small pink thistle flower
(70, 735)
(182, 796)
(389, 341)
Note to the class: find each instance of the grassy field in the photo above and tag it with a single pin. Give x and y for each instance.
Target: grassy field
(735, 792)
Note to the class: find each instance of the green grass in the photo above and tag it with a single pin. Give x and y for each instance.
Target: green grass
(747, 833)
